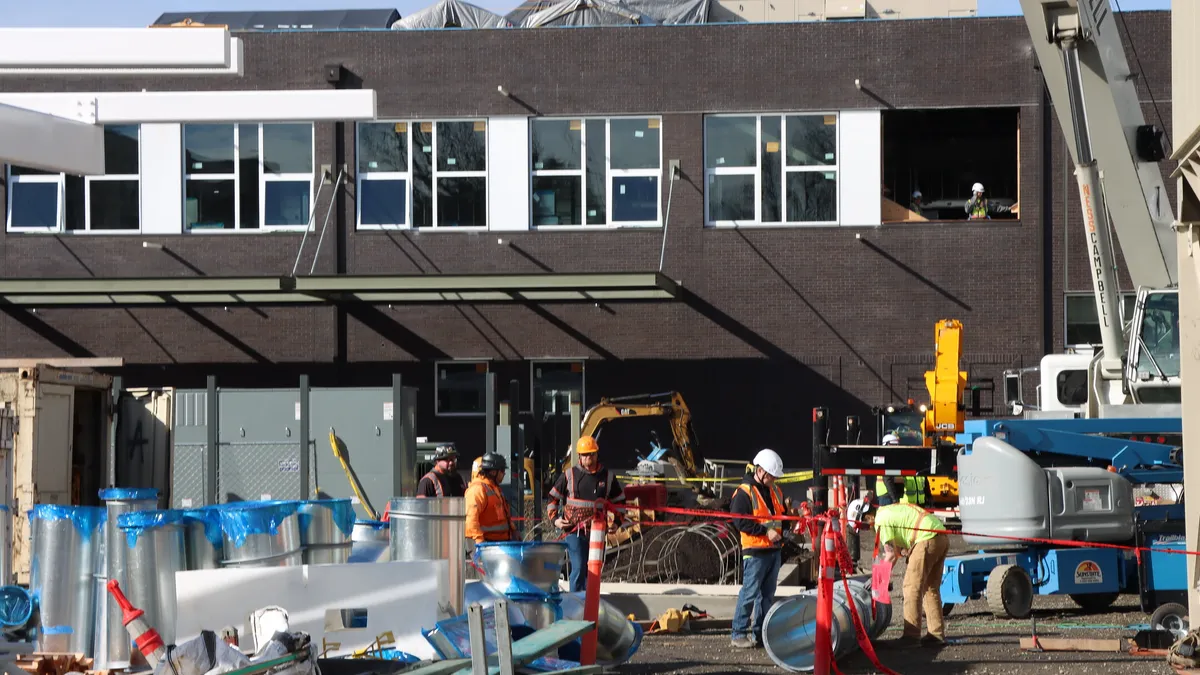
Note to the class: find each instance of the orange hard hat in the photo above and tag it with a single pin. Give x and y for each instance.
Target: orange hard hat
(586, 445)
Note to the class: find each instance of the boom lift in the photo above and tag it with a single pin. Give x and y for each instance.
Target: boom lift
(1023, 478)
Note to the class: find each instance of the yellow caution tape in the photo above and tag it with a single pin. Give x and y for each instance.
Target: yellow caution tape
(797, 477)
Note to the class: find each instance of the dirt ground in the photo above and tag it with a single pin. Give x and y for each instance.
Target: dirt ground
(980, 644)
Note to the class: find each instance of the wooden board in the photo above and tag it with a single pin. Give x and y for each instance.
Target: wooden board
(892, 212)
(1074, 645)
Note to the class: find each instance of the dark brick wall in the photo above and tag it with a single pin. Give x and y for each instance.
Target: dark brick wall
(775, 320)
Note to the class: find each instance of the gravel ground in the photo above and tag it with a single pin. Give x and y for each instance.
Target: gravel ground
(980, 644)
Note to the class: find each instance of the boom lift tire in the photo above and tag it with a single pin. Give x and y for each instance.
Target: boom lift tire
(1171, 616)
(1095, 602)
(1010, 592)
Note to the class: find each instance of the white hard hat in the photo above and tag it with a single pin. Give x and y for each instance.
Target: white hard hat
(916, 193)
(891, 439)
(978, 187)
(770, 462)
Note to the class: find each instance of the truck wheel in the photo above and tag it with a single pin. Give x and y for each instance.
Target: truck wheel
(1171, 616)
(1010, 592)
(1095, 602)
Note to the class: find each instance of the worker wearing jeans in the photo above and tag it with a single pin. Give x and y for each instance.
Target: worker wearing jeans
(907, 529)
(762, 540)
(572, 503)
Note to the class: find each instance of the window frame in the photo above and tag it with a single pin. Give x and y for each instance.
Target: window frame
(437, 410)
(409, 182)
(60, 181)
(264, 177)
(784, 170)
(582, 361)
(1125, 296)
(609, 174)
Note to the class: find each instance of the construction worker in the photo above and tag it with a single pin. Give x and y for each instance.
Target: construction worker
(917, 203)
(475, 469)
(489, 517)
(579, 488)
(916, 491)
(912, 532)
(854, 515)
(444, 480)
(762, 542)
(979, 208)
(885, 486)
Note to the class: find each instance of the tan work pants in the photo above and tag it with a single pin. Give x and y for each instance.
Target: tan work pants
(923, 587)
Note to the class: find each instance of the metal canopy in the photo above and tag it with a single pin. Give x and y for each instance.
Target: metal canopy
(316, 290)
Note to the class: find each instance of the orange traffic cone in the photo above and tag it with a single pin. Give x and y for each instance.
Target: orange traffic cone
(148, 641)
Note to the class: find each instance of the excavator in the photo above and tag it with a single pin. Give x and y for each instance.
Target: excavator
(682, 454)
(935, 424)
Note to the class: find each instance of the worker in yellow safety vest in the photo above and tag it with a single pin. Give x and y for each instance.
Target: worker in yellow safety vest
(489, 517)
(916, 491)
(979, 208)
(910, 531)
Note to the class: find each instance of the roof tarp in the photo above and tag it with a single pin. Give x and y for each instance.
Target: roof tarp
(316, 20)
(525, 9)
(672, 11)
(452, 14)
(586, 13)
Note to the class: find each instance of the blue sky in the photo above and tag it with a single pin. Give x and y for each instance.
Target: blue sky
(101, 13)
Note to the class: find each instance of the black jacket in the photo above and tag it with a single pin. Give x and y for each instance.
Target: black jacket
(741, 504)
(452, 485)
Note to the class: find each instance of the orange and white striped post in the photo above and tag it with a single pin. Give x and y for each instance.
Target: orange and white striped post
(823, 654)
(591, 600)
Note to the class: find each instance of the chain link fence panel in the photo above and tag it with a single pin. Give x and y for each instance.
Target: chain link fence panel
(188, 475)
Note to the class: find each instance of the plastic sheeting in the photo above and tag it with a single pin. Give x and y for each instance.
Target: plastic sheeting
(343, 513)
(452, 14)
(210, 518)
(134, 523)
(671, 12)
(586, 13)
(129, 494)
(85, 518)
(239, 522)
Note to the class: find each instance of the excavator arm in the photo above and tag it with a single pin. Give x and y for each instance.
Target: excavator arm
(946, 383)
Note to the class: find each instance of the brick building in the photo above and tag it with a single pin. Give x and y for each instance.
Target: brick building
(795, 289)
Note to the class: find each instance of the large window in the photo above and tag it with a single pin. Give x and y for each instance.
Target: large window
(461, 387)
(247, 176)
(596, 171)
(422, 174)
(41, 201)
(771, 169)
(557, 379)
(941, 154)
(1083, 324)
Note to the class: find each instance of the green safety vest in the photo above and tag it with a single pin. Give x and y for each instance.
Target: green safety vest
(914, 490)
(881, 486)
(979, 209)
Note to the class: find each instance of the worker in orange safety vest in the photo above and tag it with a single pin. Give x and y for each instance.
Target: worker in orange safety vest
(762, 542)
(489, 517)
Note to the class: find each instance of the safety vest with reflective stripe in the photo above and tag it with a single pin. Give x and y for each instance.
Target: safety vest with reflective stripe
(881, 487)
(914, 490)
(488, 514)
(759, 508)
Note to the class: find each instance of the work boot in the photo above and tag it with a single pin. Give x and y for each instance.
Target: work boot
(932, 641)
(743, 642)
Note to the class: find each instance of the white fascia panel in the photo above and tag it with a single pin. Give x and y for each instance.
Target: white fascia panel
(161, 190)
(508, 173)
(50, 143)
(861, 167)
(236, 67)
(114, 47)
(318, 105)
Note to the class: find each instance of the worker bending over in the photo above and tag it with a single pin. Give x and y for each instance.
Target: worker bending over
(580, 487)
(762, 543)
(910, 531)
(444, 480)
(489, 517)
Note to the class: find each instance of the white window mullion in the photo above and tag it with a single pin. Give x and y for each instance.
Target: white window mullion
(783, 169)
(583, 172)
(608, 205)
(433, 170)
(409, 185)
(262, 179)
(759, 166)
(61, 220)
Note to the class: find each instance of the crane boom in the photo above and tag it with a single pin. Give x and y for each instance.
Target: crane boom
(1091, 86)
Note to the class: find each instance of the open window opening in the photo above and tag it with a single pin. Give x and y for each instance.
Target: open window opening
(932, 158)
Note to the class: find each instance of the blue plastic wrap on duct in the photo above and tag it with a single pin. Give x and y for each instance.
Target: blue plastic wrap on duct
(343, 513)
(134, 523)
(86, 518)
(129, 494)
(210, 518)
(4, 508)
(451, 639)
(16, 606)
(239, 521)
